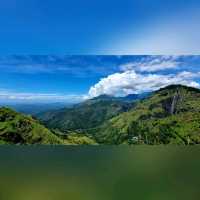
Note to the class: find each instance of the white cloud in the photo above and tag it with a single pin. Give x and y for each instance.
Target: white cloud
(153, 64)
(39, 97)
(128, 82)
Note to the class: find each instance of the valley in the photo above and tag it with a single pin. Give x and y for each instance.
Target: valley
(170, 115)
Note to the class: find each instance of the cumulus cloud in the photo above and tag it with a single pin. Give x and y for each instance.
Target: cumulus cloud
(130, 82)
(153, 64)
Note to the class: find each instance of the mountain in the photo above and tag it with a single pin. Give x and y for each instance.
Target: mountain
(129, 98)
(86, 115)
(133, 97)
(34, 108)
(169, 116)
(16, 128)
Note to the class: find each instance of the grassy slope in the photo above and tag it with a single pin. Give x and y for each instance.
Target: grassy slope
(153, 122)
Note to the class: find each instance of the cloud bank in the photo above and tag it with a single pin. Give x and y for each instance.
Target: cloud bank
(6, 96)
(149, 73)
(130, 82)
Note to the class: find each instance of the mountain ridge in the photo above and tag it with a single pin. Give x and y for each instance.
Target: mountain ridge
(160, 119)
(86, 115)
(92, 112)
(170, 115)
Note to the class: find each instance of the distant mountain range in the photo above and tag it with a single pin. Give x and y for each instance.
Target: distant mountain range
(37, 108)
(34, 108)
(128, 98)
(170, 115)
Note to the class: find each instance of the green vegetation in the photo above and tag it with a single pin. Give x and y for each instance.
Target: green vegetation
(16, 128)
(73, 138)
(85, 116)
(170, 116)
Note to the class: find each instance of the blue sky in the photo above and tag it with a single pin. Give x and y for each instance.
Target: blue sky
(99, 27)
(36, 35)
(74, 78)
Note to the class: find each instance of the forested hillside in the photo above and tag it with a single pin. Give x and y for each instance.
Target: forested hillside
(170, 116)
(84, 116)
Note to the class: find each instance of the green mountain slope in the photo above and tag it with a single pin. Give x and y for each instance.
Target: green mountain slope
(84, 116)
(16, 128)
(170, 116)
(73, 138)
